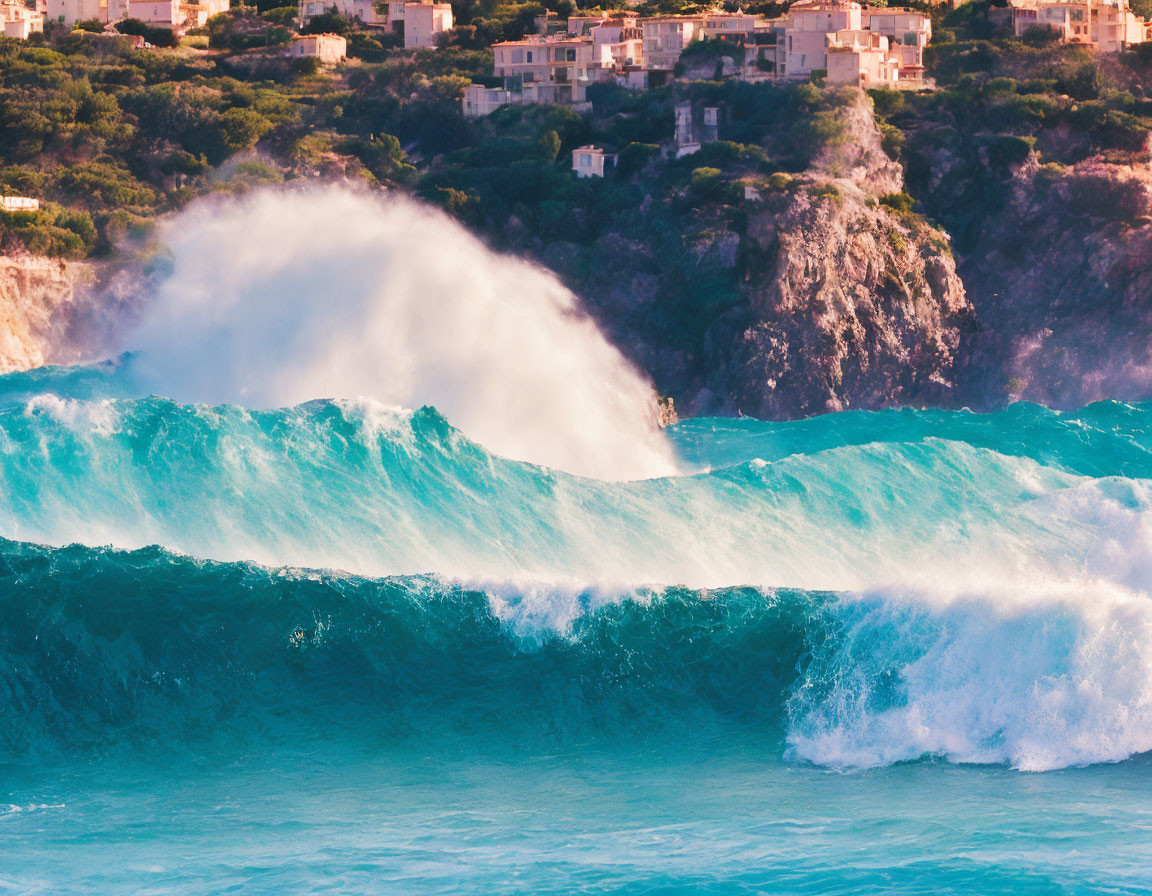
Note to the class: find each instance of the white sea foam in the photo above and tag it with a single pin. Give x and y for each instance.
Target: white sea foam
(82, 417)
(283, 297)
(1039, 679)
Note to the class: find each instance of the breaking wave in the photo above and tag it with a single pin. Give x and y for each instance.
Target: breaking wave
(855, 590)
(288, 296)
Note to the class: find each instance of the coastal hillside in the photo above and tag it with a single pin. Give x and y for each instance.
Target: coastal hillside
(825, 247)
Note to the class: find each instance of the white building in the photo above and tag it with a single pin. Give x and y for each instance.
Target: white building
(161, 13)
(423, 21)
(617, 44)
(806, 27)
(69, 12)
(556, 69)
(862, 58)
(666, 37)
(717, 24)
(18, 204)
(592, 161)
(908, 33)
(1107, 26)
(479, 100)
(328, 48)
(19, 22)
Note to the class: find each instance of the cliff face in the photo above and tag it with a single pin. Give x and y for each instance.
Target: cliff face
(1057, 262)
(55, 312)
(813, 293)
(850, 305)
(1062, 278)
(37, 296)
(849, 302)
(815, 296)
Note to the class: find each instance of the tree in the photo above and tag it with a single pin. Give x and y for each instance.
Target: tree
(240, 129)
(550, 145)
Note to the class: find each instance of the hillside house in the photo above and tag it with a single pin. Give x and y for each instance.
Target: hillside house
(806, 27)
(69, 12)
(617, 45)
(330, 49)
(479, 100)
(19, 21)
(666, 37)
(717, 24)
(19, 204)
(423, 22)
(178, 15)
(364, 10)
(555, 69)
(862, 58)
(694, 128)
(161, 13)
(908, 33)
(592, 161)
(1107, 26)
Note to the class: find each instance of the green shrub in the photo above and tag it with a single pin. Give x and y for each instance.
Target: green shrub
(158, 37)
(706, 181)
(900, 202)
(634, 157)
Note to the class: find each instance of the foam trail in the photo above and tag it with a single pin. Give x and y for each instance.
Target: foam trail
(283, 297)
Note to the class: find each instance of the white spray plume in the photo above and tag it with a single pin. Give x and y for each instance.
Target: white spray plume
(283, 297)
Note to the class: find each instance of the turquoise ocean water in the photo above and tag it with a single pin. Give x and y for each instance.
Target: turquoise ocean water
(343, 648)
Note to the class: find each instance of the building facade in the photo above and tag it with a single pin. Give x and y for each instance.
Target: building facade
(19, 21)
(1107, 26)
(666, 37)
(592, 161)
(330, 49)
(423, 22)
(364, 10)
(554, 69)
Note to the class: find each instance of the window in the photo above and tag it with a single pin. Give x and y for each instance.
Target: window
(1077, 15)
(911, 38)
(571, 55)
(529, 56)
(517, 57)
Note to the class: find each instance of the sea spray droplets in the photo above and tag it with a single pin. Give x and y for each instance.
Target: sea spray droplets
(283, 297)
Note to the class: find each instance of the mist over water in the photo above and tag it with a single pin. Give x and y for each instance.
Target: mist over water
(287, 296)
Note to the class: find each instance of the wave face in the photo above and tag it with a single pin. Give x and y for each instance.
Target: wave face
(858, 590)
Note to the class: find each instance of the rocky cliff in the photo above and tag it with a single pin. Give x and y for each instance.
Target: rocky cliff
(37, 298)
(850, 304)
(1063, 278)
(57, 312)
(794, 294)
(805, 294)
(1057, 262)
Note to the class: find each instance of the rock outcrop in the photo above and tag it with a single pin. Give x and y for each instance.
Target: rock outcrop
(848, 302)
(37, 298)
(1062, 278)
(851, 304)
(58, 312)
